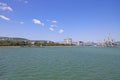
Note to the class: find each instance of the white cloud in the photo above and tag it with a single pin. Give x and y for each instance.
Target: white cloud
(54, 21)
(4, 17)
(51, 29)
(21, 22)
(23, 1)
(5, 7)
(61, 31)
(53, 25)
(36, 21)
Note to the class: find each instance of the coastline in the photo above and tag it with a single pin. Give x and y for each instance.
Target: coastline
(22, 46)
(10, 46)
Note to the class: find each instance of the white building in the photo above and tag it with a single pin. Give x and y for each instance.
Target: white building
(80, 43)
(108, 42)
(68, 41)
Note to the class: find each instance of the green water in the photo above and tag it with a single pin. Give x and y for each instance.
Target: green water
(60, 63)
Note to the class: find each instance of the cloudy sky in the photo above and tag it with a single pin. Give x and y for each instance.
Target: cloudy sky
(84, 20)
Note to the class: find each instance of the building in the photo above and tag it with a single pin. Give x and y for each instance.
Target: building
(68, 41)
(108, 42)
(80, 43)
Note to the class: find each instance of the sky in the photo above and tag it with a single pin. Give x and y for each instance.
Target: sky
(81, 20)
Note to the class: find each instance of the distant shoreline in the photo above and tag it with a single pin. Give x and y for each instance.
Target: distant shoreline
(22, 46)
(10, 46)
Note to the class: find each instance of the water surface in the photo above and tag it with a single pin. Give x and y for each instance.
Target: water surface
(60, 63)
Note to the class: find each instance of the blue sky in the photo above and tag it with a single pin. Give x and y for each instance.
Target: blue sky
(84, 20)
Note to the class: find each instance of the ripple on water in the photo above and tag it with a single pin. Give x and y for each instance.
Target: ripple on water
(60, 63)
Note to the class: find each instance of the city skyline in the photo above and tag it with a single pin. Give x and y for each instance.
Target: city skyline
(81, 20)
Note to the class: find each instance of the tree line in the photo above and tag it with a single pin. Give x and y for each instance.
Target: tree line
(29, 43)
(13, 43)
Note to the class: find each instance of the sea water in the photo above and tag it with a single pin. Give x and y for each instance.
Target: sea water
(60, 63)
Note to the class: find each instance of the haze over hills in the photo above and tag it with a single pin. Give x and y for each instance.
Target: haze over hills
(12, 38)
